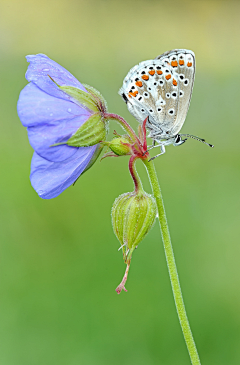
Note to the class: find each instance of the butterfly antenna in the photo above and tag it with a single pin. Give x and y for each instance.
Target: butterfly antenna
(197, 138)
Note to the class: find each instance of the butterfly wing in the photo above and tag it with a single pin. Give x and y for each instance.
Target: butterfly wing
(151, 89)
(161, 89)
(184, 64)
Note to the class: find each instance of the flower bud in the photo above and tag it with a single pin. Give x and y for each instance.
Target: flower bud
(120, 145)
(133, 215)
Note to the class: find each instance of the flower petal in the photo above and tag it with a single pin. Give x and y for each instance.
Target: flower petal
(37, 107)
(43, 137)
(39, 70)
(50, 179)
(49, 120)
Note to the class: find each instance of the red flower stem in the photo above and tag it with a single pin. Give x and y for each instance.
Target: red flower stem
(121, 286)
(144, 132)
(124, 124)
(134, 174)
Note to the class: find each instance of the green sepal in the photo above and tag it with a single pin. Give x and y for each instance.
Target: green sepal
(90, 133)
(96, 95)
(92, 161)
(85, 99)
(94, 158)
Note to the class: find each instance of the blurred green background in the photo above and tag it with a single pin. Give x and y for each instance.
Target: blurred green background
(59, 262)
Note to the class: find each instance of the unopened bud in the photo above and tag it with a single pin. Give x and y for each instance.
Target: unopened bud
(133, 215)
(120, 145)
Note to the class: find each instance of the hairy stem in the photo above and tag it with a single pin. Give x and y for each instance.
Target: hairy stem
(123, 123)
(134, 174)
(172, 268)
(121, 286)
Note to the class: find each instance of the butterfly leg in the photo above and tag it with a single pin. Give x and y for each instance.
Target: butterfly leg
(151, 147)
(162, 152)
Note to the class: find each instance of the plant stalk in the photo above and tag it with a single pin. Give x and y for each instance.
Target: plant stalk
(172, 268)
(123, 123)
(171, 264)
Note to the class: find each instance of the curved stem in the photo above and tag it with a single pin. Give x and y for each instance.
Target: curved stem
(172, 268)
(134, 174)
(123, 123)
(121, 286)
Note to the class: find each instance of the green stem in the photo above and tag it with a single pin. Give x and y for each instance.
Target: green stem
(172, 268)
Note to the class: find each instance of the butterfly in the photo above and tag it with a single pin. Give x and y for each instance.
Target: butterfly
(161, 89)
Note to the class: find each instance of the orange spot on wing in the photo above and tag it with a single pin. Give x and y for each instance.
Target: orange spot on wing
(181, 62)
(145, 77)
(189, 64)
(168, 77)
(174, 82)
(139, 83)
(159, 72)
(133, 94)
(152, 72)
(174, 63)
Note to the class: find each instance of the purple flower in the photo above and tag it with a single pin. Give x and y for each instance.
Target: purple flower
(52, 116)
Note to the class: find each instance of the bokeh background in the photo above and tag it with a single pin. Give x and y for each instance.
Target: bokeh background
(59, 263)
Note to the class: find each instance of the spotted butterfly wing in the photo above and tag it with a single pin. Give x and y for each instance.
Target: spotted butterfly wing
(183, 63)
(161, 89)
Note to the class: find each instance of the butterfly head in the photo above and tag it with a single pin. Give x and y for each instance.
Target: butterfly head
(178, 140)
